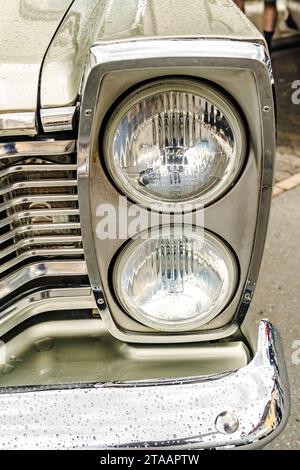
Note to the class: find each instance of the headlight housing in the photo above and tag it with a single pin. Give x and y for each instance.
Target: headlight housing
(177, 279)
(174, 142)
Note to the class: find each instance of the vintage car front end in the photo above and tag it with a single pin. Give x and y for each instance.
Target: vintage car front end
(134, 335)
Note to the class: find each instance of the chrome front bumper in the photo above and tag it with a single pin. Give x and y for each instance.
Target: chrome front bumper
(242, 409)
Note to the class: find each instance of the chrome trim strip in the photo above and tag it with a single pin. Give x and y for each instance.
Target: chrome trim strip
(41, 240)
(12, 124)
(35, 168)
(67, 226)
(37, 148)
(37, 184)
(40, 252)
(37, 213)
(45, 269)
(58, 119)
(36, 199)
(174, 414)
(45, 301)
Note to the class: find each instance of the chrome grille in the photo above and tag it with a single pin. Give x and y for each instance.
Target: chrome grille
(40, 237)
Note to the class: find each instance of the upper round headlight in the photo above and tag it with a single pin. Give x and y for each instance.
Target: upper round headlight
(174, 142)
(176, 280)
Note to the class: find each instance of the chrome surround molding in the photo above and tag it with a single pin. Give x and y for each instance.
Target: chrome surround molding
(53, 120)
(58, 119)
(162, 57)
(169, 413)
(12, 124)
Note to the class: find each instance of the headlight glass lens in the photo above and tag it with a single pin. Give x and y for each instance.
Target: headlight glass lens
(176, 280)
(175, 141)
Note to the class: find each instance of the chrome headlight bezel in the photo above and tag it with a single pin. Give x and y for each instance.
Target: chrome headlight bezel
(240, 217)
(185, 85)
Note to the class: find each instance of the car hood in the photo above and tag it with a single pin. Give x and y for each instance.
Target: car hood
(94, 21)
(56, 35)
(27, 28)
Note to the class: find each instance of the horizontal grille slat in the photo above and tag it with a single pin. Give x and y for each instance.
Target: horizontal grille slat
(33, 241)
(45, 269)
(29, 215)
(36, 184)
(40, 254)
(38, 198)
(35, 168)
(39, 214)
(45, 301)
(18, 232)
(36, 148)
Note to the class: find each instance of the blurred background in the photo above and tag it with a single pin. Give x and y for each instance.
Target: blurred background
(254, 10)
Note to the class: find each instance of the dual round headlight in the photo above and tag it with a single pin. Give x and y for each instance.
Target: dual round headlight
(174, 143)
(177, 280)
(170, 145)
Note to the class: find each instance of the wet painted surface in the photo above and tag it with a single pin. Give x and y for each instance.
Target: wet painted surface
(101, 20)
(26, 29)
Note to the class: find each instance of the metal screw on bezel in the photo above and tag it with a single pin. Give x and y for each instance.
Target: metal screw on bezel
(88, 112)
(267, 109)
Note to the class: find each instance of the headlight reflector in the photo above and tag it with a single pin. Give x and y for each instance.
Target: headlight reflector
(174, 142)
(177, 280)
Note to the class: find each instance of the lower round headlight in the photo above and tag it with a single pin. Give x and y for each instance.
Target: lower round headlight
(177, 279)
(175, 142)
